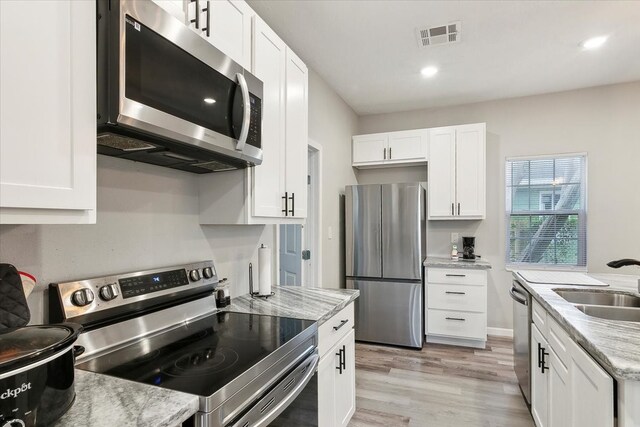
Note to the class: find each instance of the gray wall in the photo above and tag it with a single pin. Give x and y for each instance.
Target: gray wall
(331, 124)
(604, 122)
(147, 217)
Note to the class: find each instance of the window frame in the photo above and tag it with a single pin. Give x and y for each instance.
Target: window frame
(582, 215)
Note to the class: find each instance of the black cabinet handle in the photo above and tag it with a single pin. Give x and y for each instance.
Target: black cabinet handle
(544, 366)
(293, 203)
(389, 153)
(196, 20)
(207, 29)
(458, 208)
(384, 153)
(452, 210)
(342, 323)
(539, 355)
(460, 319)
(344, 358)
(455, 293)
(339, 354)
(456, 275)
(286, 203)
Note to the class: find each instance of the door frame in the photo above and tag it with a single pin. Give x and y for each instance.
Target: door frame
(311, 232)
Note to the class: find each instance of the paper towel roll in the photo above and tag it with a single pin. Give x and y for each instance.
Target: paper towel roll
(264, 273)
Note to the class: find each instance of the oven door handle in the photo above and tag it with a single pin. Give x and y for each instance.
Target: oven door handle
(246, 112)
(308, 366)
(518, 297)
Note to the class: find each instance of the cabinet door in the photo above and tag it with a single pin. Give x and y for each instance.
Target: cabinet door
(345, 383)
(326, 389)
(408, 145)
(297, 135)
(539, 382)
(175, 7)
(269, 65)
(47, 112)
(370, 148)
(470, 171)
(230, 29)
(442, 176)
(559, 409)
(591, 391)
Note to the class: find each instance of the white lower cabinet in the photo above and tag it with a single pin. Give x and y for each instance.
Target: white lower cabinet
(568, 388)
(336, 370)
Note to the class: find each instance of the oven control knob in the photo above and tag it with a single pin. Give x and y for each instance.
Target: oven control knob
(207, 272)
(109, 292)
(194, 275)
(82, 297)
(14, 423)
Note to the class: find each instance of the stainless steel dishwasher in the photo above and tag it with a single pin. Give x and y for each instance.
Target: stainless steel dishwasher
(522, 337)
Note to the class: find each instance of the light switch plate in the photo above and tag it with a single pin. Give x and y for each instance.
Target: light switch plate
(454, 238)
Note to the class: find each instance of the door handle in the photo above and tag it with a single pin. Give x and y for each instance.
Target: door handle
(389, 153)
(458, 208)
(544, 366)
(453, 212)
(207, 29)
(459, 319)
(339, 354)
(455, 275)
(384, 153)
(286, 203)
(196, 20)
(344, 358)
(293, 203)
(246, 112)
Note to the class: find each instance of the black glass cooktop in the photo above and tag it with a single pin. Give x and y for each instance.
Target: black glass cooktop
(203, 356)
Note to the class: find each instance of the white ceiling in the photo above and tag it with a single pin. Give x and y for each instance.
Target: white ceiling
(368, 52)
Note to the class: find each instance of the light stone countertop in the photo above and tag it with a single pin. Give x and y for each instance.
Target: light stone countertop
(614, 344)
(105, 401)
(442, 262)
(319, 304)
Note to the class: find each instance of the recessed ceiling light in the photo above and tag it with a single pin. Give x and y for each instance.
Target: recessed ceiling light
(429, 71)
(594, 42)
(209, 100)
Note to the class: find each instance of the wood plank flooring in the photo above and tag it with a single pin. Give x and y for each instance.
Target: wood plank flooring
(438, 386)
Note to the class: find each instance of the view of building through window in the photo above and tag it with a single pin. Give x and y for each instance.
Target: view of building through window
(546, 210)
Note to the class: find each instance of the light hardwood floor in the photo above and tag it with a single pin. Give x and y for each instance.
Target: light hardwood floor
(439, 386)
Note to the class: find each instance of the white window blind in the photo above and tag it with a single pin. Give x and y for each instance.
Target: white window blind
(546, 211)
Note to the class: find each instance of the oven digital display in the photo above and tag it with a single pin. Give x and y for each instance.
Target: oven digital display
(140, 285)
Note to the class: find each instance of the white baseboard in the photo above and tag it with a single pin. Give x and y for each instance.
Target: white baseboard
(500, 332)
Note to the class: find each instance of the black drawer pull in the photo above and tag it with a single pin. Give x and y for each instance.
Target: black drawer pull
(456, 275)
(342, 323)
(455, 293)
(460, 319)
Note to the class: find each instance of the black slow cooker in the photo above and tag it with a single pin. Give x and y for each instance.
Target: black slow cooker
(36, 374)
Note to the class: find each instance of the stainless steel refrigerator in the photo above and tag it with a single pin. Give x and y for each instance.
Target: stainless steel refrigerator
(385, 246)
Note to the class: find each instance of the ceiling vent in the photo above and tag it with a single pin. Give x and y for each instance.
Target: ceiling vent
(444, 34)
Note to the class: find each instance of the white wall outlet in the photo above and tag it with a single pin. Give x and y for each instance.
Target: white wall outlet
(455, 238)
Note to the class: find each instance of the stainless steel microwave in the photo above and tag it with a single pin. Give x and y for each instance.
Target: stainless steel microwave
(166, 96)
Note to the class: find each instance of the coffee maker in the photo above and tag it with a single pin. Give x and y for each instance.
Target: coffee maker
(468, 248)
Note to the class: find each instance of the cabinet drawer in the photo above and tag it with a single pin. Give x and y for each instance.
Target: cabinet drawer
(457, 324)
(457, 276)
(558, 339)
(334, 329)
(539, 317)
(457, 297)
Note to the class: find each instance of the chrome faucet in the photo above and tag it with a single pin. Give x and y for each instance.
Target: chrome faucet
(624, 262)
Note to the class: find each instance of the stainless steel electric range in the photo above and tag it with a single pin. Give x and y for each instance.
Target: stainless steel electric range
(161, 327)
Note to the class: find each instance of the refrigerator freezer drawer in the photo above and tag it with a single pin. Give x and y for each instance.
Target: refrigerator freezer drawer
(389, 312)
(457, 324)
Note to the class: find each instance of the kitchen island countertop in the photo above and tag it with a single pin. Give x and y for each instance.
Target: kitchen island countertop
(319, 304)
(102, 400)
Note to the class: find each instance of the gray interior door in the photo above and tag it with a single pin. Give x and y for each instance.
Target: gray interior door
(362, 230)
(388, 312)
(290, 255)
(402, 231)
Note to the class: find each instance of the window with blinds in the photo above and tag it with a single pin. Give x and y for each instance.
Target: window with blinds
(546, 211)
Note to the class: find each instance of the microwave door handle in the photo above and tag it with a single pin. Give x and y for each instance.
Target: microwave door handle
(246, 115)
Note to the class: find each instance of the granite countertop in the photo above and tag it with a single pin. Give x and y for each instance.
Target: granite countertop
(102, 400)
(442, 262)
(317, 304)
(614, 344)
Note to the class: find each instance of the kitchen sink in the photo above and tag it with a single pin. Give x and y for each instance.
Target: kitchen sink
(626, 314)
(611, 299)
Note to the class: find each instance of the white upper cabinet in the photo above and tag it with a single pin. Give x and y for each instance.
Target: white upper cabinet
(457, 170)
(404, 148)
(296, 135)
(275, 191)
(230, 29)
(47, 112)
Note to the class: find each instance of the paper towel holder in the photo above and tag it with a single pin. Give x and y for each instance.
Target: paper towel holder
(251, 291)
